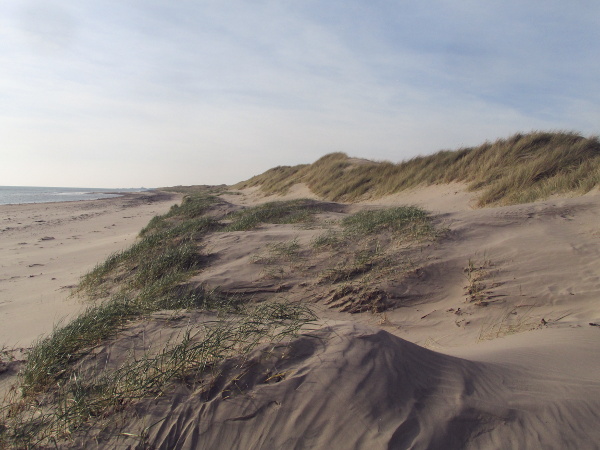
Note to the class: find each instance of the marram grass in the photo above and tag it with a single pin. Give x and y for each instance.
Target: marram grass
(280, 212)
(522, 168)
(79, 397)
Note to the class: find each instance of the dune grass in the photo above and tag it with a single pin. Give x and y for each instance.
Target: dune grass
(522, 168)
(513, 320)
(280, 212)
(77, 398)
(50, 357)
(409, 221)
(196, 190)
(167, 253)
(144, 278)
(192, 207)
(55, 400)
(368, 248)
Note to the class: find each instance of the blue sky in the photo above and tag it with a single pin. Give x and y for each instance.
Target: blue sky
(154, 93)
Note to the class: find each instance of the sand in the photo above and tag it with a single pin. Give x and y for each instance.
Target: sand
(350, 386)
(516, 367)
(45, 248)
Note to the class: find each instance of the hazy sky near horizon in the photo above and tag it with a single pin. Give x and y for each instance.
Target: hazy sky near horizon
(154, 93)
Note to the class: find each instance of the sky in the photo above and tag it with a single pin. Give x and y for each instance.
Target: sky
(151, 93)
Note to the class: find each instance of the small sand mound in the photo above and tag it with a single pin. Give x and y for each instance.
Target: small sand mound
(351, 386)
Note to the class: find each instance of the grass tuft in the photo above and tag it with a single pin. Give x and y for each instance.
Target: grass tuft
(406, 220)
(166, 254)
(282, 212)
(82, 396)
(49, 357)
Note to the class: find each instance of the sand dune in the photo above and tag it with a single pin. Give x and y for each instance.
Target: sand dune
(489, 340)
(351, 386)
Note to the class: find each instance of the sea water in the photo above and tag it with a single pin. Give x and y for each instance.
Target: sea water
(23, 194)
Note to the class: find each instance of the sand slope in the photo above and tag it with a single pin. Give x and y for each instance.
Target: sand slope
(351, 386)
(515, 365)
(536, 265)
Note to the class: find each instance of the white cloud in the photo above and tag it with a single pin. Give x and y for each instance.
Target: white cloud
(157, 93)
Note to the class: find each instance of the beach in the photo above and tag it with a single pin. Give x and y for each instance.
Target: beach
(46, 247)
(488, 338)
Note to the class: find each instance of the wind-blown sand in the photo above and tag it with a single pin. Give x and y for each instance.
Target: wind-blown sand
(516, 367)
(350, 386)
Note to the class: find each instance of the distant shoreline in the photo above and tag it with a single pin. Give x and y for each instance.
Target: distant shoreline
(16, 195)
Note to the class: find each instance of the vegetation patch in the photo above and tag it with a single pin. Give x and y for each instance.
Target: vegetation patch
(479, 282)
(81, 397)
(514, 320)
(192, 207)
(356, 299)
(167, 253)
(522, 168)
(409, 221)
(281, 212)
(329, 240)
(196, 190)
(281, 258)
(366, 251)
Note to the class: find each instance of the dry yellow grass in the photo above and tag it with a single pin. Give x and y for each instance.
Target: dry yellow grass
(519, 169)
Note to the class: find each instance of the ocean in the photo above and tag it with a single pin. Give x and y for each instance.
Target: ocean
(11, 195)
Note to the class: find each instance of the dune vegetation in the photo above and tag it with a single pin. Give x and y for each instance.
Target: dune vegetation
(352, 258)
(520, 169)
(55, 399)
(56, 396)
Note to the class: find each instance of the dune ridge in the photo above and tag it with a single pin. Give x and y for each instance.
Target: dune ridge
(519, 169)
(252, 319)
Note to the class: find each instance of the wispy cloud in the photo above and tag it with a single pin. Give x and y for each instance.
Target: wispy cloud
(157, 93)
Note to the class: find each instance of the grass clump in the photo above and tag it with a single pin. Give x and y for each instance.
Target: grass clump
(167, 253)
(381, 233)
(192, 207)
(49, 358)
(409, 221)
(519, 169)
(281, 259)
(286, 250)
(329, 240)
(511, 321)
(150, 261)
(281, 212)
(84, 396)
(372, 256)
